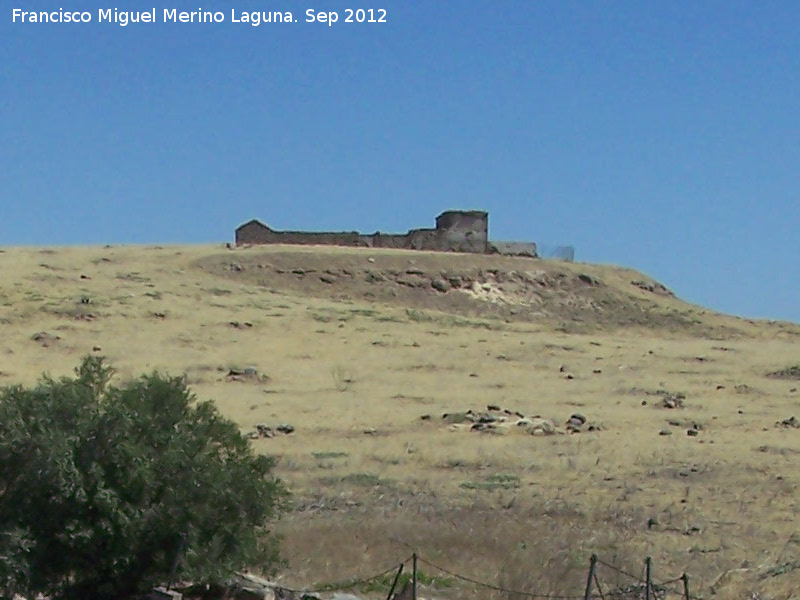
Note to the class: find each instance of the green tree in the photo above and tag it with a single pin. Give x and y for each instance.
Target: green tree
(101, 487)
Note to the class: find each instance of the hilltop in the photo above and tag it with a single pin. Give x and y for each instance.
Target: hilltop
(361, 352)
(566, 296)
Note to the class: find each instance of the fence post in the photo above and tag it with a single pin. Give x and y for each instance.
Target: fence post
(685, 578)
(592, 566)
(394, 583)
(414, 576)
(647, 562)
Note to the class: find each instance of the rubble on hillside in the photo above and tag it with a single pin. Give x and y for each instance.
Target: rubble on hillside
(502, 420)
(246, 374)
(264, 431)
(790, 423)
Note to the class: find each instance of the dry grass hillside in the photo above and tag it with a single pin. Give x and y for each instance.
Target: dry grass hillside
(681, 452)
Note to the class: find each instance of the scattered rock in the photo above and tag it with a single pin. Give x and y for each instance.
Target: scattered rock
(374, 276)
(539, 426)
(791, 422)
(440, 285)
(45, 338)
(792, 372)
(579, 418)
(455, 281)
(653, 287)
(671, 400)
(412, 283)
(489, 418)
(692, 432)
(264, 431)
(327, 279)
(457, 418)
(484, 426)
(499, 420)
(665, 432)
(246, 374)
(244, 586)
(577, 423)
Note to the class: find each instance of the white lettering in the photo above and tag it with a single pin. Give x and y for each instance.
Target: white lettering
(258, 18)
(321, 17)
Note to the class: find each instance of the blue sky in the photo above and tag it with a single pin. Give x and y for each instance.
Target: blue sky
(663, 136)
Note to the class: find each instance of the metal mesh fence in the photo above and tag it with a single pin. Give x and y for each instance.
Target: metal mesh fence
(555, 252)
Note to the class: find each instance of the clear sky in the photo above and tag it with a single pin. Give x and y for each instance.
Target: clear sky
(664, 136)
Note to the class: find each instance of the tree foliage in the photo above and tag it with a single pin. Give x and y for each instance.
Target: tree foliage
(101, 487)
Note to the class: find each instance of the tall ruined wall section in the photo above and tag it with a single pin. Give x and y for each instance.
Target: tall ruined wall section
(463, 231)
(416, 239)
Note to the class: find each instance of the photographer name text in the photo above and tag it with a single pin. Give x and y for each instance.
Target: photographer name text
(173, 15)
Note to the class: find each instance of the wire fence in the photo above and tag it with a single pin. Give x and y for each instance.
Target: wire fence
(596, 583)
(554, 252)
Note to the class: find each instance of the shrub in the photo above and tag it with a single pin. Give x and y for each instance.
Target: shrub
(101, 487)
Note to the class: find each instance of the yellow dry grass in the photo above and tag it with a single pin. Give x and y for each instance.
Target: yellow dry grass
(371, 481)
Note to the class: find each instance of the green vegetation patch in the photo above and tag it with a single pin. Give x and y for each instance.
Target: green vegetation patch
(126, 478)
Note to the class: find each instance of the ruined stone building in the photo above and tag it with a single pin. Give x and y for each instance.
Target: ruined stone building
(455, 231)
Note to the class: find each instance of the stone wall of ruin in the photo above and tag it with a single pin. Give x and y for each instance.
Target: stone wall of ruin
(456, 231)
